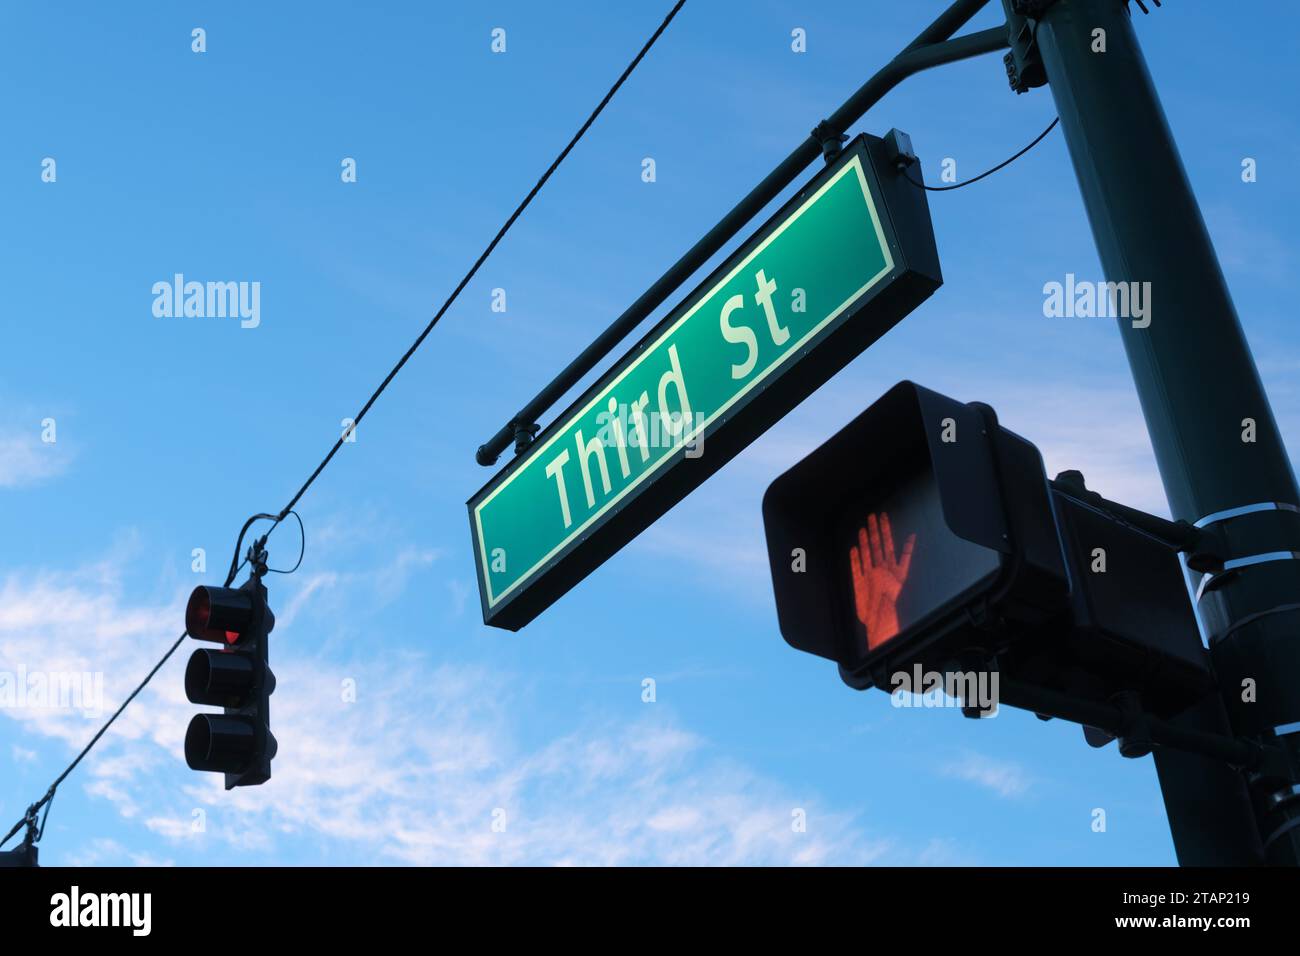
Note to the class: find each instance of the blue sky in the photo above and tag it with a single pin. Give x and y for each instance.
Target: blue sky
(225, 166)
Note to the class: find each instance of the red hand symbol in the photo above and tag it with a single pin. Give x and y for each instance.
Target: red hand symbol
(878, 577)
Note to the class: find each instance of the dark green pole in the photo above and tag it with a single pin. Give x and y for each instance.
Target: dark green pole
(1214, 435)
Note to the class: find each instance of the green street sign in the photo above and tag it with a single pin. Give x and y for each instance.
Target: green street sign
(839, 265)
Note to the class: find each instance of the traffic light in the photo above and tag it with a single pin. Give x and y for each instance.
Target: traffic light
(924, 533)
(237, 742)
(25, 854)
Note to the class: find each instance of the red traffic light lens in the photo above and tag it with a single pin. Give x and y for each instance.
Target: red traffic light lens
(218, 614)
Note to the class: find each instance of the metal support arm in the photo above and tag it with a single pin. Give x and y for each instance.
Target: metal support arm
(1205, 548)
(1128, 722)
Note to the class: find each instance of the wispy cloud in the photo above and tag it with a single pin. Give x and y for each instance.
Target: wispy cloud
(1096, 429)
(383, 584)
(105, 852)
(26, 460)
(1004, 778)
(427, 765)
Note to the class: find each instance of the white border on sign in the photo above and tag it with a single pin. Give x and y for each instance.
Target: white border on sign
(855, 165)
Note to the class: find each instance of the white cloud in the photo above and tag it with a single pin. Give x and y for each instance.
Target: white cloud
(412, 772)
(74, 624)
(1004, 778)
(26, 460)
(324, 589)
(1099, 431)
(105, 852)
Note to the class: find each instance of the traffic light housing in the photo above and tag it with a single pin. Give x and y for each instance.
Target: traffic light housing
(926, 533)
(237, 742)
(25, 854)
(1131, 626)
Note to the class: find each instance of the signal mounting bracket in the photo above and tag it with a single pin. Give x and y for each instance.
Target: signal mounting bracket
(832, 140)
(1205, 547)
(257, 557)
(525, 434)
(1023, 61)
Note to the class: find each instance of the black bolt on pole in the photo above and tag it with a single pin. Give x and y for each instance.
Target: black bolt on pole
(1215, 439)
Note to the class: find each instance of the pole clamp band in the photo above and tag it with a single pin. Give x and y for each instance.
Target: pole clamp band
(1229, 513)
(1208, 581)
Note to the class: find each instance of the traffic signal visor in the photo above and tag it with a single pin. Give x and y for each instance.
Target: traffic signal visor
(218, 614)
(889, 536)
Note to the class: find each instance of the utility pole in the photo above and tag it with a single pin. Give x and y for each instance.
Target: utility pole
(1216, 442)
